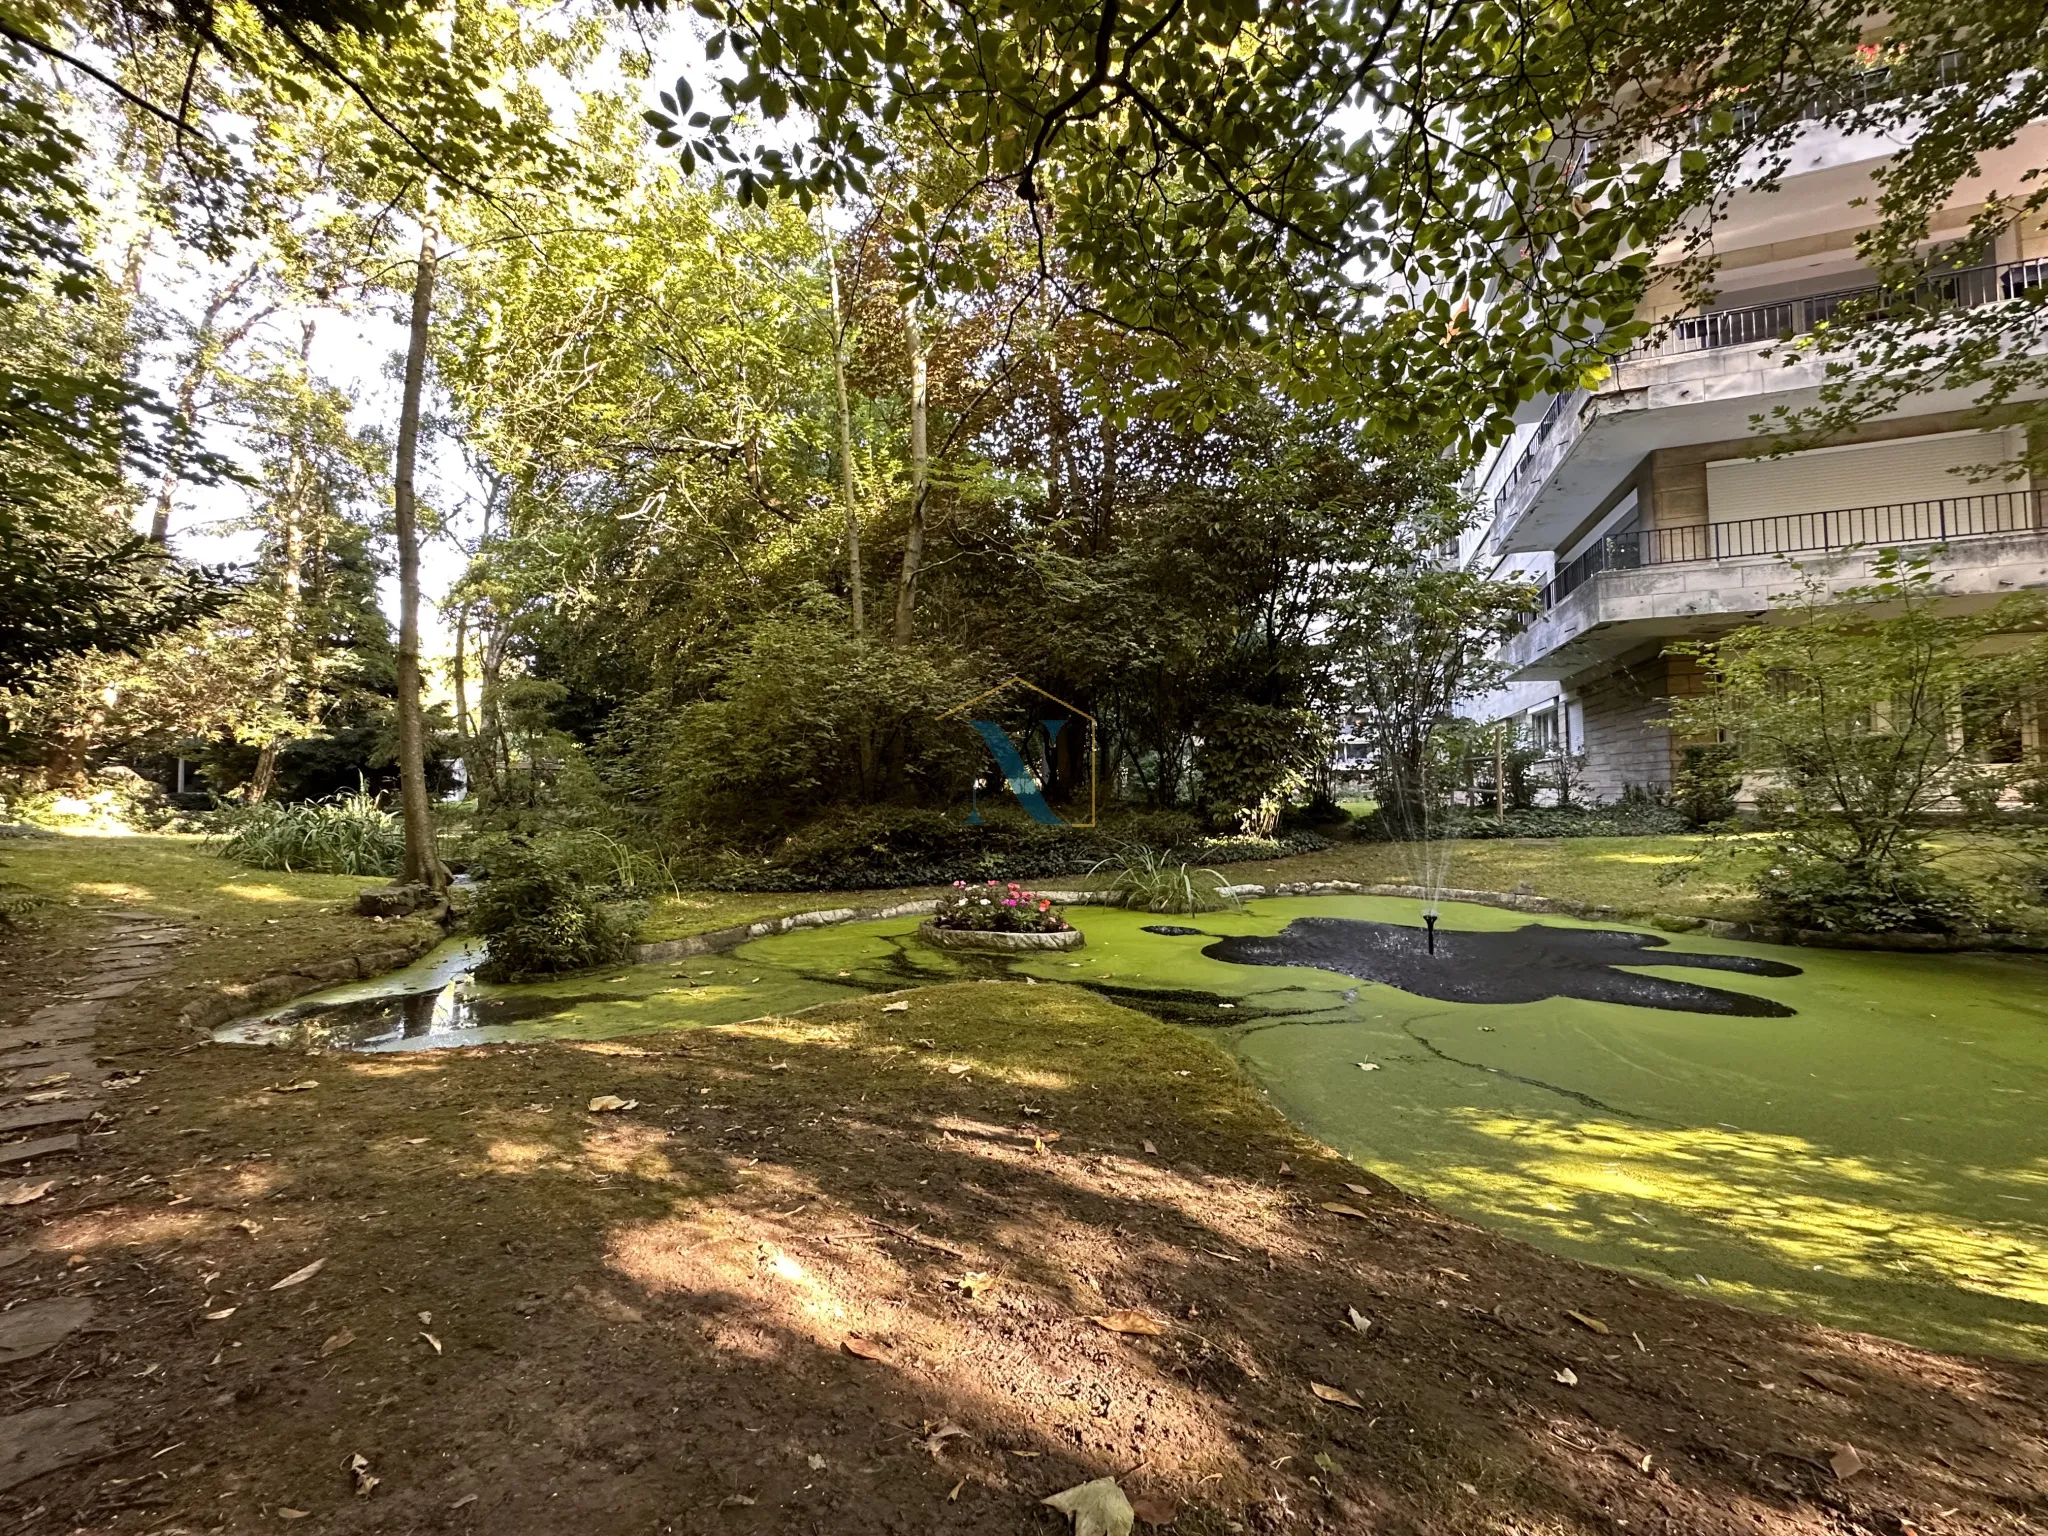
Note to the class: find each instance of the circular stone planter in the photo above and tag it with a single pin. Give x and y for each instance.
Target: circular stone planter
(1004, 943)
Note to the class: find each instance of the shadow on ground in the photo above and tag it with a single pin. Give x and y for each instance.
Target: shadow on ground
(836, 1273)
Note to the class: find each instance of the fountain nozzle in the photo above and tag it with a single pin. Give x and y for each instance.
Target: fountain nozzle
(1429, 922)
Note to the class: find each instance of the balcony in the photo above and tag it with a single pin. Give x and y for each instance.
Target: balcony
(1897, 525)
(1644, 384)
(1632, 590)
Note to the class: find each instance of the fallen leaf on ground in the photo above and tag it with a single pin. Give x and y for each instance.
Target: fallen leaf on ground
(223, 1313)
(895, 1007)
(50, 1097)
(1154, 1509)
(1566, 1377)
(250, 1227)
(1593, 1323)
(1358, 1320)
(1097, 1509)
(334, 1343)
(22, 1193)
(1150, 1148)
(1846, 1462)
(607, 1103)
(954, 1496)
(960, 1067)
(431, 1340)
(865, 1349)
(1362, 1189)
(1338, 1208)
(817, 1463)
(778, 1066)
(935, 1442)
(464, 1502)
(1368, 1066)
(1335, 1395)
(359, 1470)
(285, 1513)
(426, 1317)
(973, 1283)
(1128, 1321)
(300, 1276)
(303, 1085)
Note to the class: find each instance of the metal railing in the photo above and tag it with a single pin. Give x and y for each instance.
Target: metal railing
(1780, 320)
(1897, 523)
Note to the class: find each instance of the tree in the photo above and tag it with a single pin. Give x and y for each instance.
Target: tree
(1428, 214)
(1862, 711)
(1415, 633)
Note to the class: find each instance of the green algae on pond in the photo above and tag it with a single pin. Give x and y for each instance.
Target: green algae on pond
(1876, 1159)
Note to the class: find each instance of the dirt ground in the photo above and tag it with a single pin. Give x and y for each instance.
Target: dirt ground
(843, 1273)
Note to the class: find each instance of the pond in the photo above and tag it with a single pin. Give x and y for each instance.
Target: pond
(1849, 1136)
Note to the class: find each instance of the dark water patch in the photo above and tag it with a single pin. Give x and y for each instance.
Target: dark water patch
(1171, 930)
(1522, 965)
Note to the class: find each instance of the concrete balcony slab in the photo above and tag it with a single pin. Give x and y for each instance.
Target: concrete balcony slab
(1618, 612)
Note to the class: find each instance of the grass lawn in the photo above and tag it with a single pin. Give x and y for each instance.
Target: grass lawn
(240, 923)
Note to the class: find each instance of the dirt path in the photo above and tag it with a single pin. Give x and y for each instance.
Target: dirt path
(841, 1273)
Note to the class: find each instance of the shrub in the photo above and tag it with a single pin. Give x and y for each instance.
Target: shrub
(1838, 896)
(891, 846)
(997, 908)
(538, 918)
(349, 835)
(1629, 818)
(1708, 784)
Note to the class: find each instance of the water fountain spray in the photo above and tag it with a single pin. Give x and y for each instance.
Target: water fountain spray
(1429, 922)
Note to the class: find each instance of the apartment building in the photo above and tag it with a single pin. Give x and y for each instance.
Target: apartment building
(1644, 509)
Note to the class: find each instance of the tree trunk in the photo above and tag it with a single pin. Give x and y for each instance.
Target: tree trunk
(845, 443)
(920, 485)
(462, 679)
(422, 860)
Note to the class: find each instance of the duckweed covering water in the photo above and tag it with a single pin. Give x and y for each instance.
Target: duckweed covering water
(1878, 1158)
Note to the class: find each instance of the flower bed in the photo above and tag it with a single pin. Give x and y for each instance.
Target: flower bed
(997, 916)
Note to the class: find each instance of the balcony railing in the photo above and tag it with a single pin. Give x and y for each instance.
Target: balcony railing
(1755, 324)
(1782, 319)
(1899, 523)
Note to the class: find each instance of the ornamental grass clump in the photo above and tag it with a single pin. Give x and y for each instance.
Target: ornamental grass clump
(349, 835)
(996, 907)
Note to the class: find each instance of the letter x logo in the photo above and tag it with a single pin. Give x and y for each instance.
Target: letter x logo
(1016, 772)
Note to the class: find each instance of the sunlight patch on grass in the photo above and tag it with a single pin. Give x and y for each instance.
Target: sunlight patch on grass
(265, 892)
(523, 1156)
(113, 890)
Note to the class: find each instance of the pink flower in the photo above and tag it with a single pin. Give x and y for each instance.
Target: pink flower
(1044, 906)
